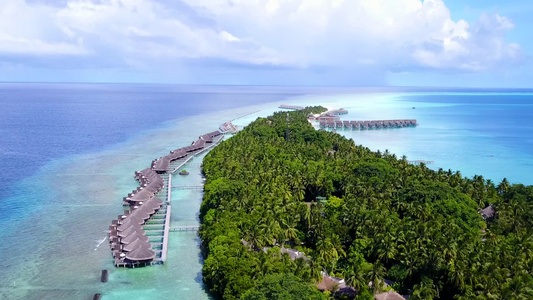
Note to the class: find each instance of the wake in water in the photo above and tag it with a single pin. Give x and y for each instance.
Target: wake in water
(100, 243)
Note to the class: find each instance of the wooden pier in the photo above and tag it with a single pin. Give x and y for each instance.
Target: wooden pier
(165, 234)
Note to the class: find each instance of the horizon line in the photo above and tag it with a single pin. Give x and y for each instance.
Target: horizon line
(272, 85)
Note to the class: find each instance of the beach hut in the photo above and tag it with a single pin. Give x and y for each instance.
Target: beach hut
(330, 283)
(487, 212)
(294, 254)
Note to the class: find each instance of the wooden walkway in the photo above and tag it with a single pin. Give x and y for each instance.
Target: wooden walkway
(165, 235)
(188, 187)
(185, 228)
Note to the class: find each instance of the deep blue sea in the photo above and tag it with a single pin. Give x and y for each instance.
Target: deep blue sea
(39, 122)
(68, 153)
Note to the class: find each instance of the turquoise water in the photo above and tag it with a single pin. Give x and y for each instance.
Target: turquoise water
(55, 246)
(487, 134)
(57, 218)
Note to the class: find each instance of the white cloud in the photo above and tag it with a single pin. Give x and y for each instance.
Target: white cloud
(29, 30)
(390, 33)
(387, 34)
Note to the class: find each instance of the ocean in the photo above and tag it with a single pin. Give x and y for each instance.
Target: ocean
(68, 154)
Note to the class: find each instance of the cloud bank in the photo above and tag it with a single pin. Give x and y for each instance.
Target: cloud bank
(385, 35)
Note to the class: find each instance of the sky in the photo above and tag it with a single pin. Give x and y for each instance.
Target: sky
(466, 43)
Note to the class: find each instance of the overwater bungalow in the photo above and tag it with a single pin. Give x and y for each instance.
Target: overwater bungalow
(198, 144)
(133, 237)
(130, 230)
(133, 219)
(139, 196)
(152, 187)
(161, 165)
(128, 226)
(137, 243)
(144, 212)
(208, 137)
(177, 154)
(136, 223)
(140, 254)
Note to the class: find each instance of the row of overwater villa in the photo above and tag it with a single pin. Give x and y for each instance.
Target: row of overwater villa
(360, 125)
(139, 237)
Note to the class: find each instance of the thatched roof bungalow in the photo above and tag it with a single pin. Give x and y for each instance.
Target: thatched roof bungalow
(162, 164)
(140, 254)
(487, 212)
(390, 295)
(137, 243)
(330, 283)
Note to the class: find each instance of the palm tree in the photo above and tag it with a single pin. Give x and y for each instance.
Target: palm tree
(288, 230)
(337, 249)
(503, 187)
(356, 278)
(325, 252)
(425, 290)
(387, 248)
(376, 275)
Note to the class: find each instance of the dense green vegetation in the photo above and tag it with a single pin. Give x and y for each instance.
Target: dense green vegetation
(383, 219)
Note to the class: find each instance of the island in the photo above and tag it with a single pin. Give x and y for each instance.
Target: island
(291, 212)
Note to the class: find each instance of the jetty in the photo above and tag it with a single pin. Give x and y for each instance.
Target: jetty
(293, 107)
(139, 237)
(364, 125)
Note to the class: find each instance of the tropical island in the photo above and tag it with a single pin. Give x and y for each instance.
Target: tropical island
(290, 212)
